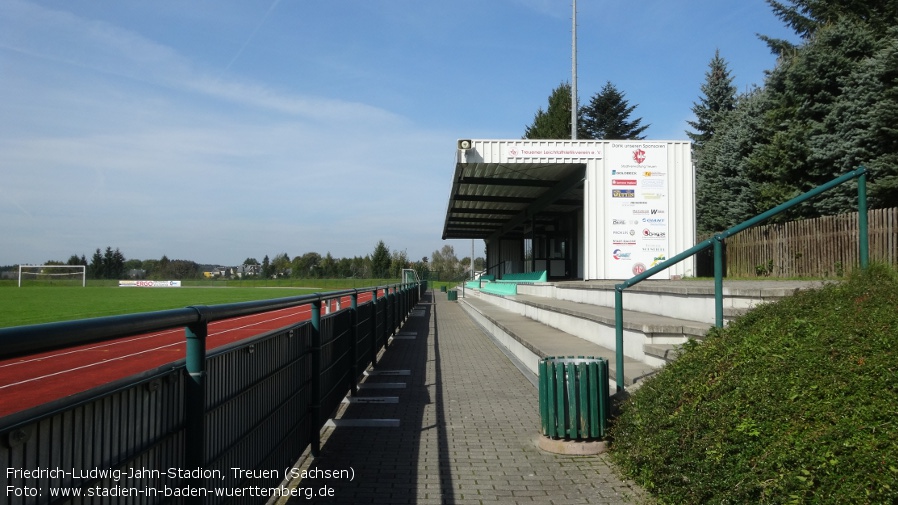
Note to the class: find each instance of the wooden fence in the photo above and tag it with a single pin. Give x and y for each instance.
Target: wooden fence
(822, 247)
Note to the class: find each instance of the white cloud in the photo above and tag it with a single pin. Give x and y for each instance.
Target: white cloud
(144, 151)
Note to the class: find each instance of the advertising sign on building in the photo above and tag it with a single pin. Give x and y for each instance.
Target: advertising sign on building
(636, 207)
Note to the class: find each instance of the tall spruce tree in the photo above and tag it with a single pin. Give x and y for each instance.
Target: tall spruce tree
(96, 270)
(830, 105)
(861, 127)
(555, 121)
(380, 260)
(714, 190)
(718, 98)
(806, 17)
(114, 263)
(725, 193)
(607, 116)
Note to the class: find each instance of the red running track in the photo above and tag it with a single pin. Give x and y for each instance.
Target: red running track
(29, 381)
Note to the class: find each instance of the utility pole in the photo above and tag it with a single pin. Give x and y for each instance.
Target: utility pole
(574, 74)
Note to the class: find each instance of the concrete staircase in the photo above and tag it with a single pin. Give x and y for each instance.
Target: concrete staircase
(577, 318)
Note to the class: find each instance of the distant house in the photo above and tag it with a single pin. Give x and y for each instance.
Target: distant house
(249, 270)
(214, 272)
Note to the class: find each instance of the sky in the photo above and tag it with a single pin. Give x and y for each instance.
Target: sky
(220, 130)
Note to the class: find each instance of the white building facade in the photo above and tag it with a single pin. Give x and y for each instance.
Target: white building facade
(579, 209)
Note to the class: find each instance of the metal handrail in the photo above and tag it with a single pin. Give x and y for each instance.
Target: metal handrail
(717, 243)
(195, 320)
(20, 340)
(499, 264)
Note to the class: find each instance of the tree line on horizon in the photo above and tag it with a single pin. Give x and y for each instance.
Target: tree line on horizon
(829, 106)
(380, 264)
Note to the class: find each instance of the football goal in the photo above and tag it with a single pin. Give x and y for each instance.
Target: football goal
(52, 275)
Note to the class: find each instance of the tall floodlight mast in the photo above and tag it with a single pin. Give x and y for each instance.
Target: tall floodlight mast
(574, 74)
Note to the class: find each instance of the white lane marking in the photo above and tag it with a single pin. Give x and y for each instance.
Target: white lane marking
(118, 358)
(302, 310)
(147, 336)
(362, 423)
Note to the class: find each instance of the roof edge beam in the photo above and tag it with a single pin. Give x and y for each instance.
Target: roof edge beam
(505, 181)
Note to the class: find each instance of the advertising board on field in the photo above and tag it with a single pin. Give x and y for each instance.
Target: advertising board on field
(149, 284)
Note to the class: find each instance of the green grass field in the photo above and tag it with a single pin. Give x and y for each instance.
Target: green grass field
(45, 304)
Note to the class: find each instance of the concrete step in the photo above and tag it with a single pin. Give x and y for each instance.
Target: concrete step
(652, 325)
(658, 316)
(596, 324)
(530, 341)
(664, 352)
(685, 299)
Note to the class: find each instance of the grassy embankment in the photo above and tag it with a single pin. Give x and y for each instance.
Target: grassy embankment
(795, 402)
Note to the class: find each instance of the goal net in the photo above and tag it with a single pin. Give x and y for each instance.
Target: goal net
(52, 275)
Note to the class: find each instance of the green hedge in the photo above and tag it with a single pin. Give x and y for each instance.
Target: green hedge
(796, 402)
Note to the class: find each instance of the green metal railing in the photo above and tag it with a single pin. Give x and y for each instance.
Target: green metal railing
(254, 404)
(716, 242)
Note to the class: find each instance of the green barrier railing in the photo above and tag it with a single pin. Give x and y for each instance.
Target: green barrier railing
(716, 243)
(207, 409)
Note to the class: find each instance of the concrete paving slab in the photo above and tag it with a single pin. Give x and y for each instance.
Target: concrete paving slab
(468, 426)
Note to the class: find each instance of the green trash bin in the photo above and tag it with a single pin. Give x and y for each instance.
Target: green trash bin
(443, 288)
(453, 295)
(574, 398)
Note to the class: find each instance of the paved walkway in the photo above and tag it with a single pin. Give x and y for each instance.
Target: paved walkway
(467, 429)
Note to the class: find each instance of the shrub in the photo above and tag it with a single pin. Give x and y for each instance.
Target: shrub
(795, 402)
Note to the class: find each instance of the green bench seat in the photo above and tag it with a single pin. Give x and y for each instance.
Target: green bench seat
(538, 276)
(500, 288)
(508, 284)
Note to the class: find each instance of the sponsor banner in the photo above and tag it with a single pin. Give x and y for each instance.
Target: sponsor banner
(636, 224)
(621, 255)
(652, 212)
(149, 284)
(648, 234)
(514, 152)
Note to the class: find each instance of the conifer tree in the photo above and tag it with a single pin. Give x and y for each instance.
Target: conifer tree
(380, 260)
(555, 121)
(725, 192)
(267, 271)
(607, 116)
(829, 110)
(96, 265)
(718, 98)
